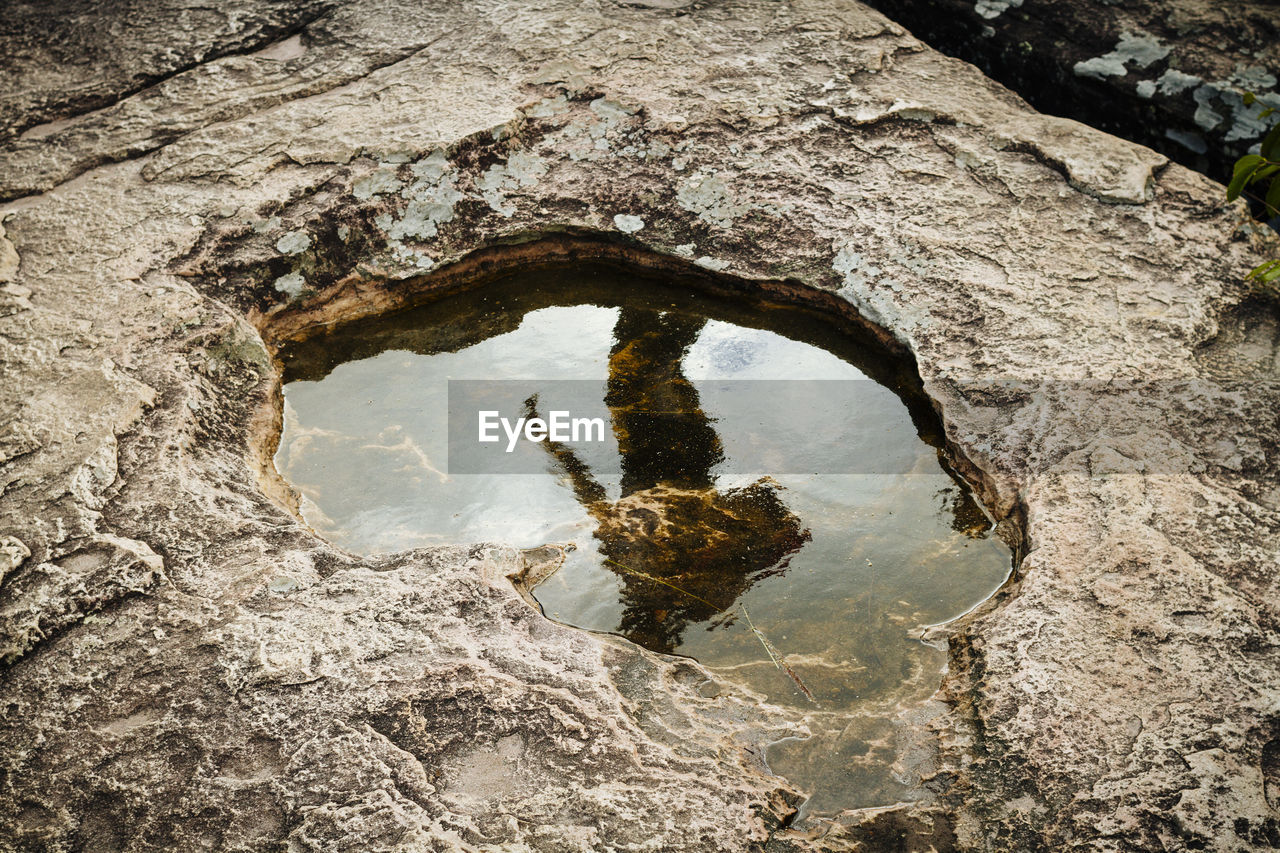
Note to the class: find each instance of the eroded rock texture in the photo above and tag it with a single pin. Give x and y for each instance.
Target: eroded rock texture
(187, 667)
(1170, 74)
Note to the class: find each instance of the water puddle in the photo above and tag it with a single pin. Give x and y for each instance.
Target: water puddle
(736, 511)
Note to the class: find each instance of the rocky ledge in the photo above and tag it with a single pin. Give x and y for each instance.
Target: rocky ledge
(187, 666)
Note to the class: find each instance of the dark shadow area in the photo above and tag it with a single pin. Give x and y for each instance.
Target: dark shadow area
(1032, 47)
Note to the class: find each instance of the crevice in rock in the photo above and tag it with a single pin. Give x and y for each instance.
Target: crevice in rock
(159, 138)
(72, 108)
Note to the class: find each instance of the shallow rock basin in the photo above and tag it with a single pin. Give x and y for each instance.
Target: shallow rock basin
(764, 491)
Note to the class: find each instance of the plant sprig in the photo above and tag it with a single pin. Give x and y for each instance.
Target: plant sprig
(1260, 168)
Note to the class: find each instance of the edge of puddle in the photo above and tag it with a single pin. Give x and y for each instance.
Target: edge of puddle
(361, 296)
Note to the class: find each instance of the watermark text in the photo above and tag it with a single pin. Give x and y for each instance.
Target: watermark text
(558, 426)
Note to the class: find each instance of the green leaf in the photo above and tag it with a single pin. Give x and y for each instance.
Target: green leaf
(1264, 272)
(1267, 112)
(1273, 200)
(1245, 167)
(1264, 173)
(1249, 98)
(1248, 161)
(1271, 143)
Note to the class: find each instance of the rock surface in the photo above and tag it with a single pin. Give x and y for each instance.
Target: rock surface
(1170, 74)
(186, 666)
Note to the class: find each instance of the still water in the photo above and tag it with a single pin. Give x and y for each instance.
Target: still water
(753, 530)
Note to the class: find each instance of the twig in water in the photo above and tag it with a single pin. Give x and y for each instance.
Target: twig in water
(775, 656)
(650, 577)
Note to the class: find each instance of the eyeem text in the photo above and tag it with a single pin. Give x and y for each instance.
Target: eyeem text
(558, 426)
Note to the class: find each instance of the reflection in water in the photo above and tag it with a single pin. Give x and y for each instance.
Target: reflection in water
(670, 523)
(838, 570)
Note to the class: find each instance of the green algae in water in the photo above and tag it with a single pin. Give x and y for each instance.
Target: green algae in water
(675, 547)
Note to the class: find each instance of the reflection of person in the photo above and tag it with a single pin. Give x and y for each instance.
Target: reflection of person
(670, 522)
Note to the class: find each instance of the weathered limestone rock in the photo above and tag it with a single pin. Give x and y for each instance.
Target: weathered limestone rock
(1170, 74)
(67, 59)
(187, 666)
